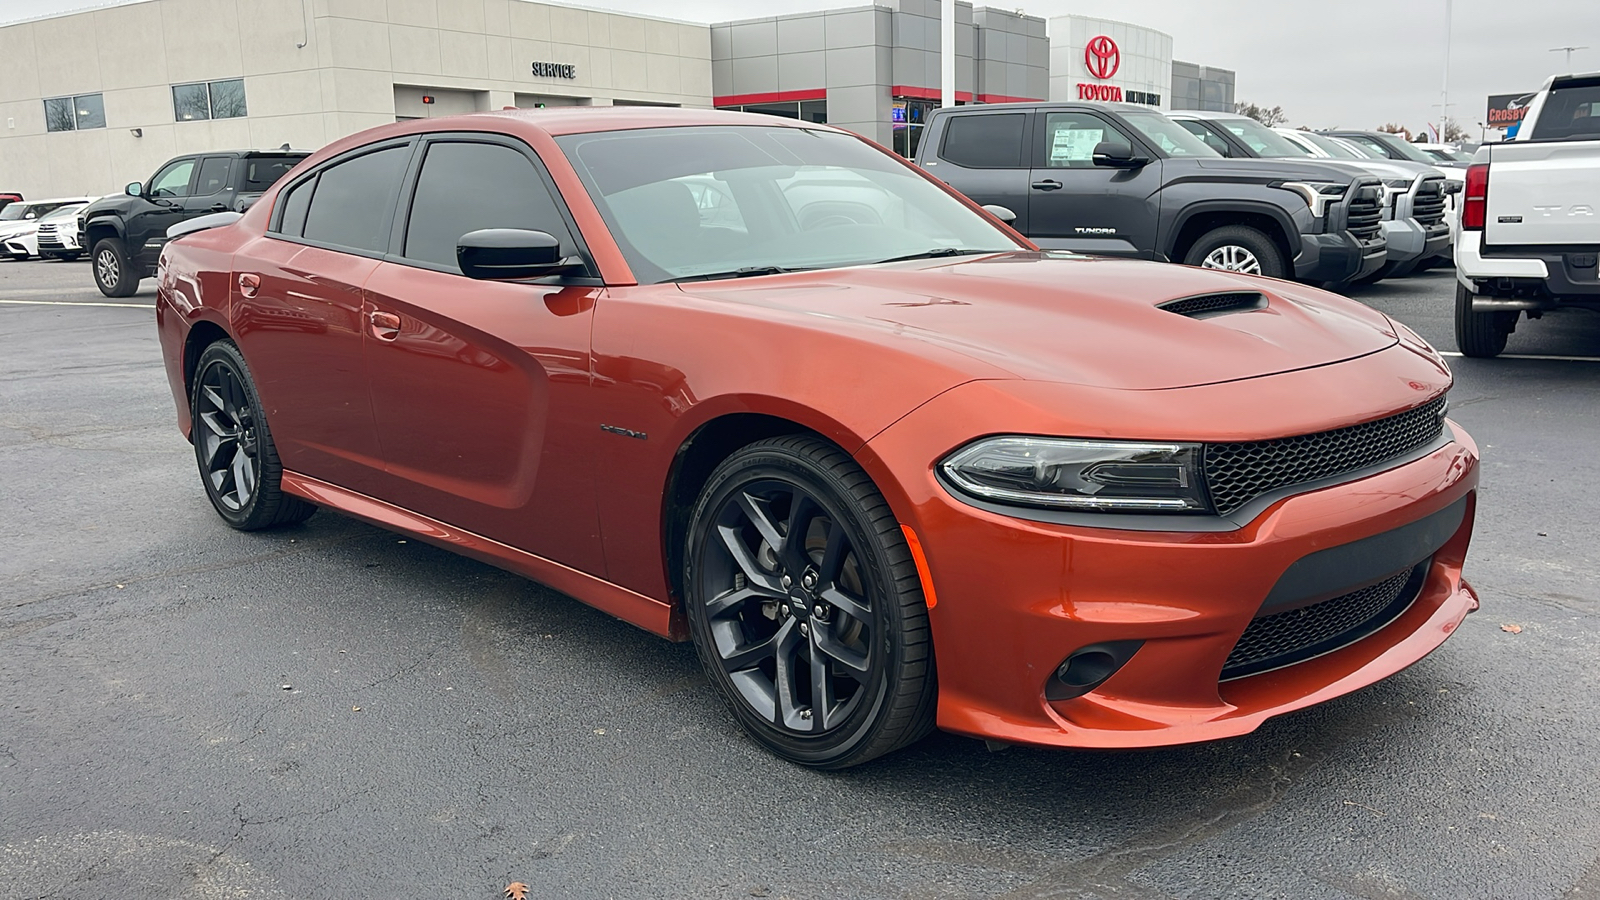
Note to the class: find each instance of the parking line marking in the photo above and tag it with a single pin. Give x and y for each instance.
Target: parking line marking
(1529, 356)
(78, 303)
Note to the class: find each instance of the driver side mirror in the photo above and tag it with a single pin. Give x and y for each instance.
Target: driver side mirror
(134, 189)
(512, 254)
(1000, 212)
(1117, 155)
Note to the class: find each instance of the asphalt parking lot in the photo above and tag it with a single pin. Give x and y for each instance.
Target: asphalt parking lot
(332, 711)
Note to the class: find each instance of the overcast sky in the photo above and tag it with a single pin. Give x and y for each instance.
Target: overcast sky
(1350, 63)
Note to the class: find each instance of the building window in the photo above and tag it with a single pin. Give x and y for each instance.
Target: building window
(804, 110)
(74, 113)
(907, 118)
(209, 100)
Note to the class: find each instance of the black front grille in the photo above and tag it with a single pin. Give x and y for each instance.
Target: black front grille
(1365, 218)
(1213, 304)
(1428, 207)
(1284, 638)
(1237, 473)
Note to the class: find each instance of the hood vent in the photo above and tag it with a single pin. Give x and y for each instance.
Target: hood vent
(1207, 305)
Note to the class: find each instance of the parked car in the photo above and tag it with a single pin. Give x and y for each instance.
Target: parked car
(126, 231)
(1414, 226)
(19, 224)
(1124, 180)
(58, 233)
(1529, 229)
(1445, 155)
(1122, 504)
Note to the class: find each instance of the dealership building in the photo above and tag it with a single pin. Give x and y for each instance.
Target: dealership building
(92, 100)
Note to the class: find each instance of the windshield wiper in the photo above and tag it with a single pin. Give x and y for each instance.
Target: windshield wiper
(743, 272)
(935, 253)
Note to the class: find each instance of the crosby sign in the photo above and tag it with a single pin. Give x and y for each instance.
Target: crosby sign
(554, 70)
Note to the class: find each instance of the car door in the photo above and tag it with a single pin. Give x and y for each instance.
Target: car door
(479, 388)
(162, 207)
(984, 156)
(1076, 205)
(210, 188)
(298, 315)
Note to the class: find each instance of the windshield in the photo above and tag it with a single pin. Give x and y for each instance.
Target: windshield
(1172, 138)
(1571, 112)
(66, 212)
(1263, 140)
(1404, 148)
(1328, 145)
(687, 203)
(14, 211)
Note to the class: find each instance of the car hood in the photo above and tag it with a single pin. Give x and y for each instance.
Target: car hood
(1082, 320)
(18, 228)
(1263, 171)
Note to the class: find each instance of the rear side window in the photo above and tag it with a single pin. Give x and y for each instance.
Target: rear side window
(262, 172)
(985, 141)
(295, 204)
(1213, 140)
(1570, 113)
(213, 176)
(464, 187)
(353, 200)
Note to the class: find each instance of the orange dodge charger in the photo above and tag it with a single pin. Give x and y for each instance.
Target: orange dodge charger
(762, 385)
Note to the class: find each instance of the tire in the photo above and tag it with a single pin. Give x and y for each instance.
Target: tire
(233, 445)
(1237, 248)
(113, 272)
(847, 601)
(1481, 334)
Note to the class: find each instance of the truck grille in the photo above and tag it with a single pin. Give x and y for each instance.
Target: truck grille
(1365, 218)
(1279, 639)
(1237, 473)
(1428, 207)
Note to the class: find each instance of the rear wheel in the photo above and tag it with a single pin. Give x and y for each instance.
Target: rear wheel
(806, 607)
(1481, 334)
(1237, 248)
(233, 446)
(113, 271)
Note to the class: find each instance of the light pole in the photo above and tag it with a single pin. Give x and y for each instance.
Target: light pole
(947, 53)
(1444, 100)
(1568, 51)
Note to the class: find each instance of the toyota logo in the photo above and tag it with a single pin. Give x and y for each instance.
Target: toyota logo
(1102, 57)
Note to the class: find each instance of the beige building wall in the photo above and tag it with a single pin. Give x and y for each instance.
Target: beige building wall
(362, 63)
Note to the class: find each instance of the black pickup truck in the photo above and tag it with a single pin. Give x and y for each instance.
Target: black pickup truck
(126, 232)
(1124, 180)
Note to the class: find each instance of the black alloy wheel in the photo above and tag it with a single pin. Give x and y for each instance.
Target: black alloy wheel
(806, 607)
(233, 447)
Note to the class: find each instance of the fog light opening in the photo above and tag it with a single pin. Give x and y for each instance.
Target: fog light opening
(1089, 667)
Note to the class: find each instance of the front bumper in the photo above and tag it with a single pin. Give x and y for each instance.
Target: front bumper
(1017, 597)
(1408, 239)
(1338, 257)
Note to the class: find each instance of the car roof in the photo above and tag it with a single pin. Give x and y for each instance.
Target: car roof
(584, 119)
(1204, 114)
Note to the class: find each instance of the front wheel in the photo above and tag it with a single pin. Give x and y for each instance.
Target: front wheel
(1481, 334)
(1237, 248)
(806, 607)
(113, 271)
(233, 446)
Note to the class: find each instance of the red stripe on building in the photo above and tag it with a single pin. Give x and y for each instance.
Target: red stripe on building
(1001, 98)
(921, 93)
(773, 97)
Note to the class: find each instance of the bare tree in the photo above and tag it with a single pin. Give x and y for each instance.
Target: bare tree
(1451, 132)
(1396, 128)
(1267, 117)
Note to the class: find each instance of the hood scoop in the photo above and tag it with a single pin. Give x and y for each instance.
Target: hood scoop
(1208, 305)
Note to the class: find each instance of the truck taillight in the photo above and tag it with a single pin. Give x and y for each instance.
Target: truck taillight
(1475, 199)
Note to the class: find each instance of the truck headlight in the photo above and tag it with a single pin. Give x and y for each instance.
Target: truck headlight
(1317, 194)
(1394, 187)
(1084, 475)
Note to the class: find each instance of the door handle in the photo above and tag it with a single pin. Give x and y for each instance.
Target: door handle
(219, 207)
(385, 326)
(1048, 184)
(249, 284)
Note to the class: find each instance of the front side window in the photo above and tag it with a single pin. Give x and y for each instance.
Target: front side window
(1212, 139)
(465, 187)
(209, 100)
(801, 199)
(75, 113)
(353, 200)
(1070, 139)
(173, 181)
(1263, 140)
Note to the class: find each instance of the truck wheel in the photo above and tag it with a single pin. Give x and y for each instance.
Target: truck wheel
(113, 273)
(1481, 334)
(1237, 248)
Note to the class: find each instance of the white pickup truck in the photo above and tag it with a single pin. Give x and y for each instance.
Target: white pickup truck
(1530, 218)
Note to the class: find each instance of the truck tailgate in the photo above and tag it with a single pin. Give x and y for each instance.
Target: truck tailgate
(1544, 193)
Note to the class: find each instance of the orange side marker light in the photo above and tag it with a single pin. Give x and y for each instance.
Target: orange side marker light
(921, 559)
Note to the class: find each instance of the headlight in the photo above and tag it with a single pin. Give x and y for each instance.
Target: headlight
(1092, 476)
(1394, 187)
(1317, 194)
